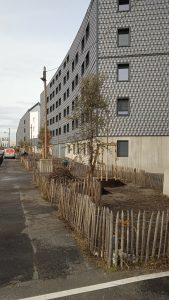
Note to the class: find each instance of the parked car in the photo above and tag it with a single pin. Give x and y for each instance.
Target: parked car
(9, 153)
(1, 156)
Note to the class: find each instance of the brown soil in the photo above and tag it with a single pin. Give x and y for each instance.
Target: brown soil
(130, 196)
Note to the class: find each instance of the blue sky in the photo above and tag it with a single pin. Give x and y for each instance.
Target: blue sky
(33, 33)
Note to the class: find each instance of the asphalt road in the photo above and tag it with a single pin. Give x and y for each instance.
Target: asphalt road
(38, 254)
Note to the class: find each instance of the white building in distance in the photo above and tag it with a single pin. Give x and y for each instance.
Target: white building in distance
(28, 128)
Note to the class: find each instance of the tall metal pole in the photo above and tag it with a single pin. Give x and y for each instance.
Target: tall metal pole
(9, 139)
(107, 146)
(45, 100)
(31, 138)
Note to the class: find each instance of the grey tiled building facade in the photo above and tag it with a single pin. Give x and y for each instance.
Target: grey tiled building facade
(127, 41)
(147, 59)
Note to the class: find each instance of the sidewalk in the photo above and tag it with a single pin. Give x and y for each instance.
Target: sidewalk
(46, 257)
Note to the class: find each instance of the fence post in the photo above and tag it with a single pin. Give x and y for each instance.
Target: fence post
(137, 237)
(155, 234)
(148, 237)
(122, 239)
(128, 233)
(166, 233)
(161, 234)
(143, 235)
(116, 239)
(132, 233)
(110, 240)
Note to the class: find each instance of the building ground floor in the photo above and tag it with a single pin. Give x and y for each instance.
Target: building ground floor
(149, 153)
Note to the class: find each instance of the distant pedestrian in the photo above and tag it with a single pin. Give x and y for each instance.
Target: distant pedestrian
(65, 163)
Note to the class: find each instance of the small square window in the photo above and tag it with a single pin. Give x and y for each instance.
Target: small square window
(68, 127)
(56, 131)
(59, 86)
(122, 107)
(82, 69)
(82, 44)
(60, 131)
(73, 85)
(87, 31)
(56, 104)
(67, 75)
(59, 72)
(57, 90)
(67, 93)
(59, 101)
(64, 96)
(68, 110)
(87, 59)
(59, 116)
(76, 58)
(64, 129)
(78, 148)
(76, 79)
(122, 148)
(73, 105)
(57, 77)
(123, 5)
(123, 72)
(73, 66)
(123, 37)
(64, 80)
(73, 125)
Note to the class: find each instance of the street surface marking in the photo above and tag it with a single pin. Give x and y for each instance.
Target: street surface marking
(96, 287)
(35, 270)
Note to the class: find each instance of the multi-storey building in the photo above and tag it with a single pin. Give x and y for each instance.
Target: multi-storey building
(127, 41)
(28, 128)
(4, 142)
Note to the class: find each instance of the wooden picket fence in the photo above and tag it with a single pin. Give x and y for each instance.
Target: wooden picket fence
(121, 238)
(125, 174)
(28, 163)
(139, 177)
(49, 188)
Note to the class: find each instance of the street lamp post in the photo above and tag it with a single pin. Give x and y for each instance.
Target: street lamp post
(45, 98)
(9, 139)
